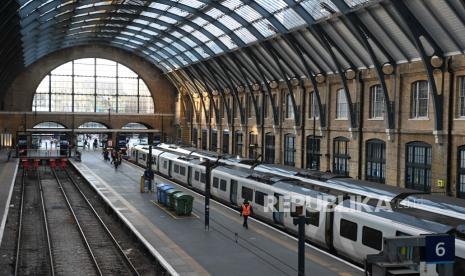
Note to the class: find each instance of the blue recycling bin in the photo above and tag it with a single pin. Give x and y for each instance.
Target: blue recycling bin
(158, 191)
(164, 195)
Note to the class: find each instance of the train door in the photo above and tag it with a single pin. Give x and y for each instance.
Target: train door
(169, 168)
(278, 216)
(189, 176)
(233, 192)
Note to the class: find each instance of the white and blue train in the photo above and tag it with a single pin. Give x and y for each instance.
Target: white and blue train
(351, 229)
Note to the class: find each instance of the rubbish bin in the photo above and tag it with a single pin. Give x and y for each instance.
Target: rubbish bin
(163, 195)
(183, 204)
(170, 194)
(158, 191)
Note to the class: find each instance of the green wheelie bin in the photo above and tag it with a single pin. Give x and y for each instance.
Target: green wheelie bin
(183, 204)
(170, 194)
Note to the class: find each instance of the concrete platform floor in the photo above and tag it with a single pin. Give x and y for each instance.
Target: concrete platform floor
(191, 250)
(8, 170)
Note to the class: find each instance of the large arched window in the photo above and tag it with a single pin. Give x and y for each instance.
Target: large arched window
(93, 85)
(49, 125)
(93, 125)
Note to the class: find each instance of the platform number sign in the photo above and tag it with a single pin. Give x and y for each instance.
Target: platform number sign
(440, 249)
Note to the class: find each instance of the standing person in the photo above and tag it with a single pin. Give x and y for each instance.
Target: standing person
(246, 212)
(95, 143)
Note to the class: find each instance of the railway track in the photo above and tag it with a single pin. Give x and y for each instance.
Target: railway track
(107, 256)
(33, 250)
(70, 238)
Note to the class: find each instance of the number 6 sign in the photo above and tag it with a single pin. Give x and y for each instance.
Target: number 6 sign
(440, 249)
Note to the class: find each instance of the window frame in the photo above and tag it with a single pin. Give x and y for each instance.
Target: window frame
(461, 97)
(377, 102)
(342, 107)
(346, 231)
(422, 170)
(289, 150)
(415, 100)
(369, 235)
(246, 192)
(375, 161)
(339, 156)
(461, 171)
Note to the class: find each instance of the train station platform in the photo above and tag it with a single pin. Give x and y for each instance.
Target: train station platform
(8, 170)
(226, 249)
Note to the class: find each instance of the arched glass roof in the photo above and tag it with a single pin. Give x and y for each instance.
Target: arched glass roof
(171, 33)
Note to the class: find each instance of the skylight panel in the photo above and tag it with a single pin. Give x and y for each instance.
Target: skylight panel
(178, 11)
(272, 6)
(188, 41)
(200, 36)
(191, 56)
(122, 38)
(245, 35)
(159, 6)
(232, 4)
(137, 42)
(179, 46)
(192, 3)
(127, 33)
(167, 19)
(289, 18)
(313, 7)
(159, 44)
(142, 37)
(200, 21)
(134, 28)
(201, 52)
(187, 28)
(147, 31)
(157, 26)
(170, 51)
(248, 13)
(229, 22)
(167, 39)
(264, 27)
(177, 34)
(215, 13)
(141, 21)
(214, 47)
(213, 30)
(149, 14)
(228, 42)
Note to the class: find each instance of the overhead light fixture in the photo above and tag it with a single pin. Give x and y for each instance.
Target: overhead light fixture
(325, 7)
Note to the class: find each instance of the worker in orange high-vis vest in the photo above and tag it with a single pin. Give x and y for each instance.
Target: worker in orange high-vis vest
(246, 211)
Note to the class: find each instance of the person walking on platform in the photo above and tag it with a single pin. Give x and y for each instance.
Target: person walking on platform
(246, 212)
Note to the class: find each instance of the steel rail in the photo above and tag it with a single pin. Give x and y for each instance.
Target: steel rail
(47, 233)
(81, 231)
(121, 251)
(20, 227)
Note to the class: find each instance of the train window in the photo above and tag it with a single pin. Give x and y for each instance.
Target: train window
(182, 170)
(215, 182)
(197, 175)
(144, 157)
(202, 177)
(314, 217)
(176, 168)
(223, 185)
(165, 164)
(372, 238)
(348, 229)
(260, 198)
(247, 193)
